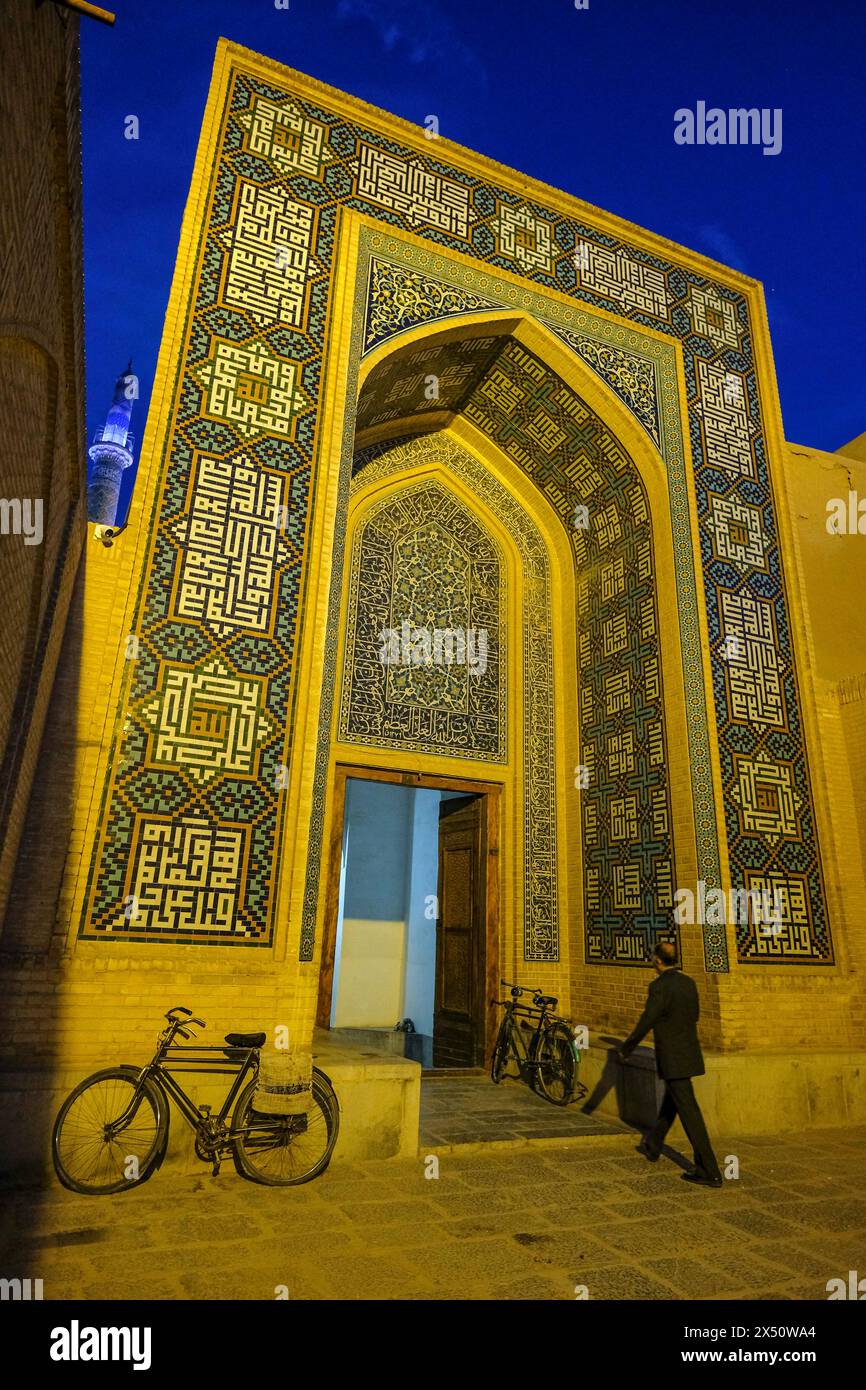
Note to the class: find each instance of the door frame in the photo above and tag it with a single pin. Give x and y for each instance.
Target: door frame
(491, 792)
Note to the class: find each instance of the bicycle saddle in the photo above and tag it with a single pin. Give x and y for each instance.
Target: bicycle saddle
(246, 1039)
(547, 999)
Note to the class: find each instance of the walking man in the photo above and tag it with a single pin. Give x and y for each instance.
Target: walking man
(672, 1013)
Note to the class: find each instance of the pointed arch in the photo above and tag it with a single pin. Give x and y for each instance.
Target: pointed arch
(687, 747)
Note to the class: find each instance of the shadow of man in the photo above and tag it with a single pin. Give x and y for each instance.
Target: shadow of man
(611, 1079)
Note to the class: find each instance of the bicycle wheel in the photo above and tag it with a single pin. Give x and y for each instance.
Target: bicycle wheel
(93, 1159)
(555, 1076)
(500, 1053)
(281, 1150)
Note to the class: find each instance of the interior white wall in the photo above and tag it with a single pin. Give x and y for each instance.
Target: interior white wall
(338, 948)
(421, 911)
(385, 954)
(369, 991)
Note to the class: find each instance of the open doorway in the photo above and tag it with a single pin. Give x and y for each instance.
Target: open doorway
(412, 916)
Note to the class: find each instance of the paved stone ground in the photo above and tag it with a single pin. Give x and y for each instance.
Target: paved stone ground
(469, 1110)
(525, 1223)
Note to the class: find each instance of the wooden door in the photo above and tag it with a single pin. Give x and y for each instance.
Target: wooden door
(461, 935)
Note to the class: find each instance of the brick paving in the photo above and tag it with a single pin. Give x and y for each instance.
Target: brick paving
(525, 1223)
(469, 1110)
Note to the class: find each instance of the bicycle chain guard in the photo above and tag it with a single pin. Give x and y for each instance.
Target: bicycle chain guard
(211, 1137)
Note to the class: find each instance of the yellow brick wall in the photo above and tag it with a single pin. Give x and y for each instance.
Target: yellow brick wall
(833, 566)
(41, 384)
(850, 696)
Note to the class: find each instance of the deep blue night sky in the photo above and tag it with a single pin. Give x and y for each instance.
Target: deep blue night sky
(583, 100)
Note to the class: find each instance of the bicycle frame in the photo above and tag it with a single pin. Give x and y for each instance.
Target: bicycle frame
(163, 1063)
(191, 1112)
(516, 1041)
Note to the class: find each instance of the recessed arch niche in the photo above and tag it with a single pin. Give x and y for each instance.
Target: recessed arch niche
(499, 389)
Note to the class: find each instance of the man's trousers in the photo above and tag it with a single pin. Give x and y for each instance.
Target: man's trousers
(680, 1100)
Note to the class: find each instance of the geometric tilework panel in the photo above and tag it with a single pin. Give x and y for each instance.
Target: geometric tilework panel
(540, 888)
(421, 559)
(577, 463)
(426, 381)
(205, 850)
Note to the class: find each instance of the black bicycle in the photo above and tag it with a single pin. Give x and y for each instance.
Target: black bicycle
(111, 1133)
(548, 1061)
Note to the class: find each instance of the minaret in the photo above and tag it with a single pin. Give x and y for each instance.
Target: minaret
(111, 452)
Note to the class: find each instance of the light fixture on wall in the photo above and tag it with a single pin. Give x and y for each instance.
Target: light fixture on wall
(107, 534)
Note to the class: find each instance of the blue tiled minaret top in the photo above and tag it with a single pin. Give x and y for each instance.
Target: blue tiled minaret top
(111, 452)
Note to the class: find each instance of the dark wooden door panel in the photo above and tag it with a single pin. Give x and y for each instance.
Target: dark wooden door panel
(458, 1024)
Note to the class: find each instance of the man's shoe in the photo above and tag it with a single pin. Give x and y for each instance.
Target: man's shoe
(642, 1148)
(702, 1179)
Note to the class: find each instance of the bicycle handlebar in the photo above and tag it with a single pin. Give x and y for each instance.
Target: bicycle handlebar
(517, 990)
(512, 1003)
(183, 1028)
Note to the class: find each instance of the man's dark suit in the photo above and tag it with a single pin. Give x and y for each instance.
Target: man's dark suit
(671, 1012)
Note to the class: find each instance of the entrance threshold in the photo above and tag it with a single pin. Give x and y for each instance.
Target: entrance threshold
(449, 1073)
(459, 1110)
